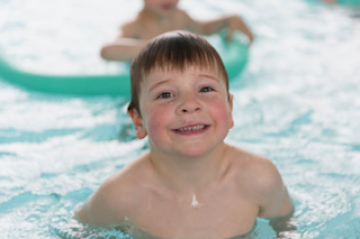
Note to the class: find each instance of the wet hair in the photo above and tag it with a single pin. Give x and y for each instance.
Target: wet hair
(175, 50)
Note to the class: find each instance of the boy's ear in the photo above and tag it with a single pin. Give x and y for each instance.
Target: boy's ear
(230, 105)
(137, 121)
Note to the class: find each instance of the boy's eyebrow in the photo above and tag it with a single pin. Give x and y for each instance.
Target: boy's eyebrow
(159, 83)
(211, 76)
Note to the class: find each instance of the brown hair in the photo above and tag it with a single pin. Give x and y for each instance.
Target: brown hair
(173, 50)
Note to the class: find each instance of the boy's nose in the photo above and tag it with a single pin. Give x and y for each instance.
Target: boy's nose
(189, 105)
(189, 109)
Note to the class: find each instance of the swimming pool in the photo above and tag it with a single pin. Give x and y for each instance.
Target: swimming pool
(296, 103)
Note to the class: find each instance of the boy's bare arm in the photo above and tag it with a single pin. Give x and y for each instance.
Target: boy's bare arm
(94, 211)
(122, 49)
(265, 186)
(274, 198)
(126, 46)
(278, 207)
(232, 23)
(280, 212)
(103, 207)
(237, 24)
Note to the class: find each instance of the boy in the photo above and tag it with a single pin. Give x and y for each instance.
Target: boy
(190, 184)
(160, 16)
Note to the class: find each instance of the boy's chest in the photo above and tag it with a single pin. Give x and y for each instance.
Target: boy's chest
(219, 216)
(150, 29)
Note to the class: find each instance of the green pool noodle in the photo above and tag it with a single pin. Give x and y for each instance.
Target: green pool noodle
(235, 57)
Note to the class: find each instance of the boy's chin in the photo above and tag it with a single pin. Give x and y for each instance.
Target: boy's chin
(195, 152)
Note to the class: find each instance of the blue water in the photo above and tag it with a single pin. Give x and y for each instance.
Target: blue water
(297, 103)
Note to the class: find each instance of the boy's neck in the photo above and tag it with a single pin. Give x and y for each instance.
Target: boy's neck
(190, 175)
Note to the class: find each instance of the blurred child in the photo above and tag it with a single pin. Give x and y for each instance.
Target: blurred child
(329, 1)
(160, 16)
(190, 184)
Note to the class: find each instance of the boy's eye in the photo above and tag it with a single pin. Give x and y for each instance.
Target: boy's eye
(206, 89)
(165, 95)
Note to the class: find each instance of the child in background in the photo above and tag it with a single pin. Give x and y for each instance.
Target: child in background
(190, 184)
(160, 16)
(329, 1)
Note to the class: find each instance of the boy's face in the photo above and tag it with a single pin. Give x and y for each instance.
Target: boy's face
(162, 8)
(187, 113)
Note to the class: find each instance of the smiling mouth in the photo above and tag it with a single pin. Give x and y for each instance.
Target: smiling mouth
(193, 128)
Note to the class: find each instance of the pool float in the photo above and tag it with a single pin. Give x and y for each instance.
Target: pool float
(353, 2)
(350, 3)
(234, 55)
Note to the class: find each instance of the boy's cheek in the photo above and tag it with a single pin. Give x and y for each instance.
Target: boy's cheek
(157, 121)
(224, 113)
(154, 119)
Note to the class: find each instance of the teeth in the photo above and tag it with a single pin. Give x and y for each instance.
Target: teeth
(198, 127)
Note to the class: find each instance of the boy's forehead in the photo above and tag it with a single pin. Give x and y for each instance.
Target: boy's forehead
(167, 71)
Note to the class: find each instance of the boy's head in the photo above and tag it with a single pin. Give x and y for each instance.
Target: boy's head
(173, 51)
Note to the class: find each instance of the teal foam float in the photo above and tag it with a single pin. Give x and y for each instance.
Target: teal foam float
(349, 3)
(234, 55)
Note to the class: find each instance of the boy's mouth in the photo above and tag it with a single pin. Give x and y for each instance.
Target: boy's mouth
(192, 128)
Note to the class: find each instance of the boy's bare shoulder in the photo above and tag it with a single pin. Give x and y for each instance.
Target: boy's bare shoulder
(259, 179)
(183, 17)
(124, 185)
(182, 13)
(120, 195)
(131, 28)
(255, 172)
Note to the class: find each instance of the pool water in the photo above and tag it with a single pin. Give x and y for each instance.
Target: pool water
(297, 103)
